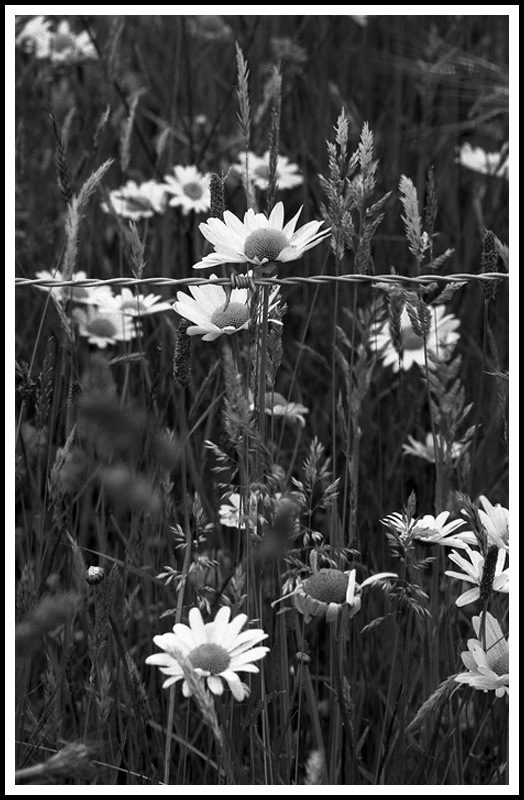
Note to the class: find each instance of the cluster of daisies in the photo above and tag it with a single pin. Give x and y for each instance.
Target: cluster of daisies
(101, 316)
(481, 552)
(216, 651)
(55, 43)
(187, 188)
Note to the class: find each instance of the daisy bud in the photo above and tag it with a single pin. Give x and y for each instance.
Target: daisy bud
(302, 658)
(95, 575)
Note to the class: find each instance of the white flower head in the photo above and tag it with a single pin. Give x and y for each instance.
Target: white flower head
(68, 47)
(137, 201)
(426, 449)
(258, 239)
(476, 159)
(137, 305)
(61, 46)
(495, 519)
(426, 529)
(214, 313)
(188, 189)
(35, 37)
(487, 662)
(83, 295)
(329, 591)
(103, 327)
(474, 572)
(287, 174)
(441, 339)
(278, 406)
(216, 651)
(233, 515)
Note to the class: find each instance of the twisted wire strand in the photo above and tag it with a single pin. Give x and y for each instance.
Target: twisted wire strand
(296, 280)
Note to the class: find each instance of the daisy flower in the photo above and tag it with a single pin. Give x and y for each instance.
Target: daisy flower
(67, 47)
(216, 651)
(278, 406)
(258, 239)
(426, 449)
(102, 327)
(209, 28)
(137, 201)
(426, 529)
(496, 522)
(189, 189)
(137, 305)
(287, 174)
(209, 309)
(476, 159)
(328, 591)
(232, 516)
(487, 573)
(488, 662)
(35, 37)
(441, 338)
(84, 295)
(213, 314)
(61, 46)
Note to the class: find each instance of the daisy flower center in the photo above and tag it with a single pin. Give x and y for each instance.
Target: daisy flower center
(210, 657)
(62, 41)
(133, 306)
(193, 190)
(235, 315)
(135, 203)
(77, 294)
(101, 327)
(262, 171)
(410, 340)
(265, 244)
(327, 585)
(501, 665)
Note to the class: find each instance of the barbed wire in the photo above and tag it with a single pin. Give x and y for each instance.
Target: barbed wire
(295, 280)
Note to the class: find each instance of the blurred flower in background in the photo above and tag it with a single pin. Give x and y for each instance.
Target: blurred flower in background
(84, 295)
(426, 449)
(137, 201)
(287, 174)
(278, 406)
(476, 159)
(441, 339)
(103, 327)
(137, 305)
(232, 515)
(60, 46)
(188, 189)
(209, 27)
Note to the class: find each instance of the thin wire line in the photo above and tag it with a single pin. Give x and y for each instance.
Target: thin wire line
(374, 280)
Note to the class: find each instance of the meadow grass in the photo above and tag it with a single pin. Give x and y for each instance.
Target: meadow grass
(309, 448)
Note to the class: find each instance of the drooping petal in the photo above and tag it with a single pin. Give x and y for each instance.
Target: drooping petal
(215, 685)
(235, 684)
